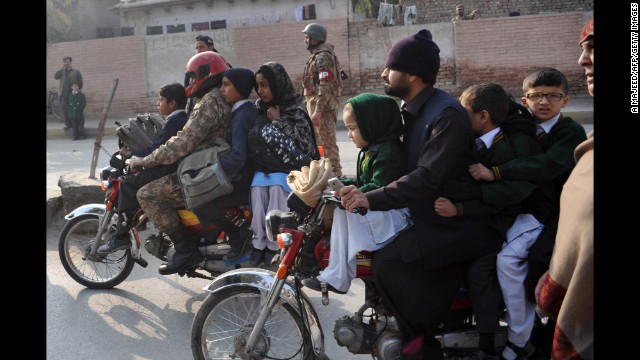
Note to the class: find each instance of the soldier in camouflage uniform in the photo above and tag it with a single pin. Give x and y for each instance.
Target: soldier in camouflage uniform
(209, 119)
(322, 87)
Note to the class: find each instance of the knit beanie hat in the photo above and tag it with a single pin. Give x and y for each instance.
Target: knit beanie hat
(417, 55)
(242, 79)
(378, 117)
(587, 31)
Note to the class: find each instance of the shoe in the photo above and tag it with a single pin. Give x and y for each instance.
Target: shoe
(181, 262)
(481, 355)
(522, 353)
(314, 284)
(269, 255)
(257, 256)
(74, 139)
(115, 243)
(238, 244)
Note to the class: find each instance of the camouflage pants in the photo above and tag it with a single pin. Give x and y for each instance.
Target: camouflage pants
(326, 136)
(159, 199)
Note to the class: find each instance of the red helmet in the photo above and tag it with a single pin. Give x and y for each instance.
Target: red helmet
(201, 67)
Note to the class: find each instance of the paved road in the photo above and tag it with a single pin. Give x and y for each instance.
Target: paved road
(148, 316)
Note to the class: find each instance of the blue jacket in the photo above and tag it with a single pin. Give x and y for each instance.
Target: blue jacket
(173, 123)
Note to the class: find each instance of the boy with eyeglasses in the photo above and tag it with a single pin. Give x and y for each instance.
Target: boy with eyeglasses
(524, 258)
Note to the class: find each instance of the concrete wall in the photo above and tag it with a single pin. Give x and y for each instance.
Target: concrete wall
(236, 13)
(502, 50)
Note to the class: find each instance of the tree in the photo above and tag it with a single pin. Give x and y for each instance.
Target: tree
(59, 20)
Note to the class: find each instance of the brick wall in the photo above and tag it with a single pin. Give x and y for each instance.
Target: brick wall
(501, 49)
(505, 50)
(285, 44)
(444, 10)
(100, 61)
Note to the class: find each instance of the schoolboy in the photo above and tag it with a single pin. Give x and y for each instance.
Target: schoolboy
(489, 107)
(76, 102)
(236, 87)
(171, 103)
(545, 94)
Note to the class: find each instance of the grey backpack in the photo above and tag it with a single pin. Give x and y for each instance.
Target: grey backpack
(140, 131)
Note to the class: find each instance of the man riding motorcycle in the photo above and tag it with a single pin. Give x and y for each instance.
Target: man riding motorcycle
(208, 120)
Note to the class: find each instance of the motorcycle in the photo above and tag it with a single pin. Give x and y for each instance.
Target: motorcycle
(91, 225)
(255, 313)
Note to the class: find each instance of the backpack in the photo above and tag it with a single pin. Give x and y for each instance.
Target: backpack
(270, 150)
(140, 132)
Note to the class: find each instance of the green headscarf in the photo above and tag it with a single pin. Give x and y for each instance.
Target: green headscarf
(377, 116)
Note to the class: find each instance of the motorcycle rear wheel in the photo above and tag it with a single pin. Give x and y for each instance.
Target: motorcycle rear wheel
(103, 272)
(224, 321)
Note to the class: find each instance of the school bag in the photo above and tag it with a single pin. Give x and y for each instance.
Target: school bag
(140, 131)
(270, 150)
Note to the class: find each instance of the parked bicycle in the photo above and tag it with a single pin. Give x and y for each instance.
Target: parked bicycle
(54, 105)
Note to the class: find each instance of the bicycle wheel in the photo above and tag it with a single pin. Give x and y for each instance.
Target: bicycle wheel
(56, 107)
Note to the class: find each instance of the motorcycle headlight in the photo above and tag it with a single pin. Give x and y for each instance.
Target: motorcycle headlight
(275, 221)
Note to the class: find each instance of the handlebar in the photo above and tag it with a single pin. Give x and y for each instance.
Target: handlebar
(329, 197)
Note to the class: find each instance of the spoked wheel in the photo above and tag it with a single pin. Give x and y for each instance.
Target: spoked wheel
(57, 109)
(224, 322)
(100, 271)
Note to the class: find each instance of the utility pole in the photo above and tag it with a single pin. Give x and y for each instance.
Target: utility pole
(98, 143)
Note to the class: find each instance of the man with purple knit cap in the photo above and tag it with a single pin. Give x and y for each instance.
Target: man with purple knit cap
(419, 273)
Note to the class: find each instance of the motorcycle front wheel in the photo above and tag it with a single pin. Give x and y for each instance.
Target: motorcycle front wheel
(224, 322)
(101, 271)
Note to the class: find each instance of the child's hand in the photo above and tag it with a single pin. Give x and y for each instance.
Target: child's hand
(480, 172)
(444, 207)
(273, 113)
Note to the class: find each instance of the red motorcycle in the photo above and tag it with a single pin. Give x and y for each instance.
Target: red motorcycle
(260, 314)
(89, 226)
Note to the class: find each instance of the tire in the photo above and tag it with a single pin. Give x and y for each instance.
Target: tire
(57, 109)
(225, 319)
(102, 272)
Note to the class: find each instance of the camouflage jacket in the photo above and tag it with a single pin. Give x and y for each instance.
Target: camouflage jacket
(209, 119)
(321, 78)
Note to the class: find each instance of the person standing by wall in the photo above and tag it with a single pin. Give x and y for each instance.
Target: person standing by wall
(203, 43)
(67, 76)
(322, 86)
(75, 111)
(461, 16)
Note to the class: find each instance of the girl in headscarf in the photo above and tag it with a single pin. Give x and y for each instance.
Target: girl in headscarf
(374, 124)
(283, 140)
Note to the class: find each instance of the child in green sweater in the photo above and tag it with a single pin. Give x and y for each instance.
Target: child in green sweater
(545, 94)
(374, 124)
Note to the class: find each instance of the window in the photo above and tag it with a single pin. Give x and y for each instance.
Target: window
(219, 24)
(126, 31)
(154, 30)
(171, 29)
(201, 26)
(104, 32)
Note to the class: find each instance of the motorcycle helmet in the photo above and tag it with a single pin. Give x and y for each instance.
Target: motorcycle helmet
(316, 31)
(200, 68)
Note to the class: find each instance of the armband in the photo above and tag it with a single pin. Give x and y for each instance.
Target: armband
(325, 75)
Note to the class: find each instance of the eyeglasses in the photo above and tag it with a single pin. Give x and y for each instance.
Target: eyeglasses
(550, 96)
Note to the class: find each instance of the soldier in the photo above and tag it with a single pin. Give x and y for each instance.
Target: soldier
(461, 16)
(209, 120)
(322, 87)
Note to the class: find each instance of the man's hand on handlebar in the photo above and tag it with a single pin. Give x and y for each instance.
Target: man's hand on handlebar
(135, 164)
(354, 200)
